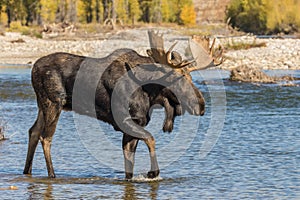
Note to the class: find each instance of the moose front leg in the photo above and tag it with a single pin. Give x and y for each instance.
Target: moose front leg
(154, 171)
(169, 112)
(129, 145)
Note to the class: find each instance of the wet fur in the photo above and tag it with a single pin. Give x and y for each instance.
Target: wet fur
(53, 79)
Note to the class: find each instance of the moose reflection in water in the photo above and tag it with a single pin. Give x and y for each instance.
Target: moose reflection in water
(1, 130)
(1, 134)
(57, 77)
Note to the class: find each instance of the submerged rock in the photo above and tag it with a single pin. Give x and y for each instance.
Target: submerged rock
(247, 74)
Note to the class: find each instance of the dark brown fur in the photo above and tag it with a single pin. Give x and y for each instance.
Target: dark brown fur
(53, 80)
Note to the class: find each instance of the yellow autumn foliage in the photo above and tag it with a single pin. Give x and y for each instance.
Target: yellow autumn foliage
(283, 13)
(188, 15)
(48, 10)
(264, 16)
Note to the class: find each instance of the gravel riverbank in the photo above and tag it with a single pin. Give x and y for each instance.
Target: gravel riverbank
(278, 54)
(19, 49)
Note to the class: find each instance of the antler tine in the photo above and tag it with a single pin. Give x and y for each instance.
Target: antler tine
(168, 54)
(186, 63)
(182, 64)
(159, 55)
(161, 34)
(196, 68)
(219, 59)
(190, 69)
(207, 55)
(217, 55)
(156, 41)
(211, 49)
(172, 47)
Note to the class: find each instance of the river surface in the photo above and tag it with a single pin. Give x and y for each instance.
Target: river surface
(246, 146)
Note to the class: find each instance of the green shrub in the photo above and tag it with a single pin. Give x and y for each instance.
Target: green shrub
(232, 45)
(33, 31)
(16, 26)
(264, 16)
(248, 15)
(283, 16)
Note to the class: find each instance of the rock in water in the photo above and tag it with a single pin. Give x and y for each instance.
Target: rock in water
(247, 74)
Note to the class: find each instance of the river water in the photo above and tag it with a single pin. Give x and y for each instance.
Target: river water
(246, 146)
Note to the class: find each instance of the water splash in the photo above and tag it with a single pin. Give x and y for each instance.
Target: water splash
(142, 178)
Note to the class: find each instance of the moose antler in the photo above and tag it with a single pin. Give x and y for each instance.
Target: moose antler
(206, 55)
(159, 55)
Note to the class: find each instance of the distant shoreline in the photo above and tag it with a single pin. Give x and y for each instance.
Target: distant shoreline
(15, 66)
(278, 53)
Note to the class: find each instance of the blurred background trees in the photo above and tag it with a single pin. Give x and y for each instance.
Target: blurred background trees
(38, 12)
(264, 16)
(255, 16)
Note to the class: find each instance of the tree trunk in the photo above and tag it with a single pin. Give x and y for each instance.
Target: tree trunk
(113, 11)
(39, 18)
(145, 6)
(72, 11)
(8, 13)
(61, 11)
(105, 9)
(97, 9)
(89, 14)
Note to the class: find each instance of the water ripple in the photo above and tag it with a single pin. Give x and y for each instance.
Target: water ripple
(257, 155)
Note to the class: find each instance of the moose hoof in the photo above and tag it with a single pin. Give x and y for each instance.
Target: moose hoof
(153, 174)
(168, 127)
(128, 176)
(51, 175)
(26, 171)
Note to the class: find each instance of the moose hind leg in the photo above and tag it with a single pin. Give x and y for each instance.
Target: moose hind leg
(51, 118)
(154, 171)
(34, 134)
(129, 145)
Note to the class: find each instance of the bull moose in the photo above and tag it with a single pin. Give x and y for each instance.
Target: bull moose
(57, 77)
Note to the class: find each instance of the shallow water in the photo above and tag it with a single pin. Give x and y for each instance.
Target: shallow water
(246, 146)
